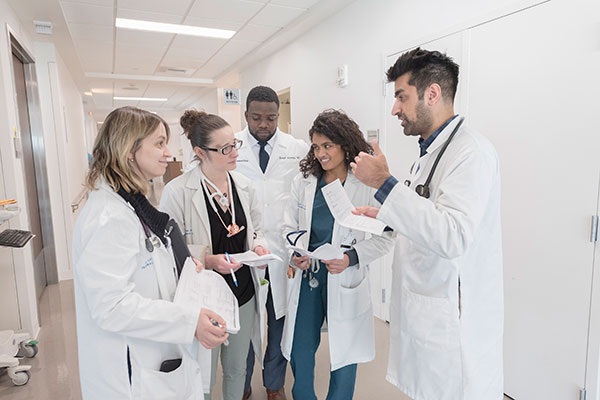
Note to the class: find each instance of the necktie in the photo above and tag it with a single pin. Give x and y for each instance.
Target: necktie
(263, 156)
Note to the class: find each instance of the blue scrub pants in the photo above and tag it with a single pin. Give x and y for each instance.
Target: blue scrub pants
(312, 310)
(274, 362)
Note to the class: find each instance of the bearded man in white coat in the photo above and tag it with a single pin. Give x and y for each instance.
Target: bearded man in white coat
(270, 158)
(446, 313)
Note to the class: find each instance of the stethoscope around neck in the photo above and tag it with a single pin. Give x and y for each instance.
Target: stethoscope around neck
(423, 189)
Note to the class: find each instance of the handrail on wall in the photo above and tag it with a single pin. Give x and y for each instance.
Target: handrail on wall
(83, 195)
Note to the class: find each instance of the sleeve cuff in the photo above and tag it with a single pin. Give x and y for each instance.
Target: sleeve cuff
(385, 189)
(353, 256)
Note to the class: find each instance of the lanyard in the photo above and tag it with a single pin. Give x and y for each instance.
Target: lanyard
(222, 197)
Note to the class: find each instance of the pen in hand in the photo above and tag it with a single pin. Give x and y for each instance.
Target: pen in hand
(231, 269)
(215, 323)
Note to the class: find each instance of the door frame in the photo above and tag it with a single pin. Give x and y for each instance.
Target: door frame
(17, 47)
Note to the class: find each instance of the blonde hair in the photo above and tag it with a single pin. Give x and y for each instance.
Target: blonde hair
(121, 134)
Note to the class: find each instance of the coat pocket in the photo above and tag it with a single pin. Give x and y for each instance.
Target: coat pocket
(430, 321)
(180, 383)
(354, 301)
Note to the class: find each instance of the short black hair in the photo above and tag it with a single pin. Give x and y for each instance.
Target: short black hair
(427, 67)
(262, 93)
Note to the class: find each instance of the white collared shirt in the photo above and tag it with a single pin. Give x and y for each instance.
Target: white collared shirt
(256, 147)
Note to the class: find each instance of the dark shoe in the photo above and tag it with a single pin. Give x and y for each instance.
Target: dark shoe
(247, 395)
(276, 394)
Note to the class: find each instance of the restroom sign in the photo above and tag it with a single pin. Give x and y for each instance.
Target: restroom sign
(231, 96)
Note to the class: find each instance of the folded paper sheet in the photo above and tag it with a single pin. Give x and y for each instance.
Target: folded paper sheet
(252, 259)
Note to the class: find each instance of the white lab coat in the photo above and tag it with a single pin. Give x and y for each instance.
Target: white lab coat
(183, 200)
(123, 299)
(273, 189)
(446, 310)
(349, 308)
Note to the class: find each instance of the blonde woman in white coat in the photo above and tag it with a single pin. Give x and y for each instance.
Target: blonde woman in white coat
(218, 211)
(334, 289)
(128, 331)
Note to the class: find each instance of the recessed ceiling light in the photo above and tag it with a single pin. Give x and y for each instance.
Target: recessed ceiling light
(87, 93)
(140, 98)
(173, 28)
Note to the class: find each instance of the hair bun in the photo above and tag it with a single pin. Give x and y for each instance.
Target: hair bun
(189, 118)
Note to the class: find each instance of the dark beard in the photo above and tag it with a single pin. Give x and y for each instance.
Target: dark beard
(261, 140)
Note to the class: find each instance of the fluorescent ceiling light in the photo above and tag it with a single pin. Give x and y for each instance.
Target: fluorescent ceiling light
(141, 98)
(173, 28)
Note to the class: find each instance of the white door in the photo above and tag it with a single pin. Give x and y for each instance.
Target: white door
(593, 352)
(533, 92)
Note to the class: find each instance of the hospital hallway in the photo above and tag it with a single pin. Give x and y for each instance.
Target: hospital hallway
(54, 372)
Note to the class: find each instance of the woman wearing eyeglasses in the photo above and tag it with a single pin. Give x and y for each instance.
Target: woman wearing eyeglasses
(334, 289)
(218, 211)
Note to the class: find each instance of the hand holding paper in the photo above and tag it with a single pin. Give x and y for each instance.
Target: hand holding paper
(342, 210)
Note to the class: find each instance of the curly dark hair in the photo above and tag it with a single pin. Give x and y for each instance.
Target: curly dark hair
(340, 129)
(427, 67)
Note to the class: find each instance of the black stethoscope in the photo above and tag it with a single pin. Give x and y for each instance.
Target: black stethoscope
(423, 189)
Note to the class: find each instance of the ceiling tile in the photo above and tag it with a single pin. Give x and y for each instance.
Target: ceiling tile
(137, 60)
(195, 44)
(237, 48)
(106, 3)
(140, 52)
(213, 23)
(226, 10)
(123, 88)
(88, 14)
(257, 33)
(149, 16)
(175, 7)
(210, 71)
(306, 4)
(96, 33)
(97, 64)
(277, 15)
(184, 58)
(129, 37)
(155, 90)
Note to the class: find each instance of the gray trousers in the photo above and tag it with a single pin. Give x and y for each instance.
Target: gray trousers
(233, 356)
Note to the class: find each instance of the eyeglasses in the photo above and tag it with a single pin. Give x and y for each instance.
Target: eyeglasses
(227, 149)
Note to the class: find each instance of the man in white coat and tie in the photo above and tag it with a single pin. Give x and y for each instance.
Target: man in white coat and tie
(446, 311)
(270, 158)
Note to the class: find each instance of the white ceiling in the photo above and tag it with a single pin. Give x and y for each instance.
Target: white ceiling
(121, 62)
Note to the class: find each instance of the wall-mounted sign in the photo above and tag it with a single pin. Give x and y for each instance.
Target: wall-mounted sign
(231, 96)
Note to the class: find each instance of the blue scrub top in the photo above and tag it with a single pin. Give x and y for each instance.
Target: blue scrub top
(321, 226)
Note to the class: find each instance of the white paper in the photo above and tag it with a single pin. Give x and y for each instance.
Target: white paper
(341, 208)
(252, 259)
(324, 252)
(207, 289)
